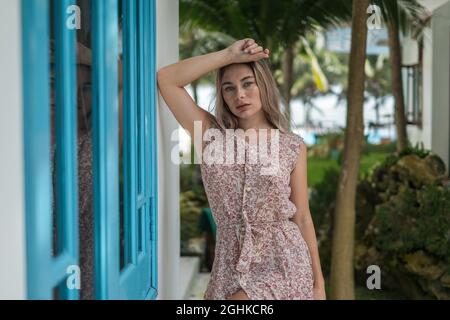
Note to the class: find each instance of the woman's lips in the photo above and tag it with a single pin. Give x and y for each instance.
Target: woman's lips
(242, 107)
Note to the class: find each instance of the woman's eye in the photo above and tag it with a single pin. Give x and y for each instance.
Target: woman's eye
(228, 89)
(247, 84)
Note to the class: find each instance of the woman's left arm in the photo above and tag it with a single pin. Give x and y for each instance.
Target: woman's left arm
(299, 196)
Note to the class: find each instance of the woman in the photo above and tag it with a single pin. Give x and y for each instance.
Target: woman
(85, 161)
(266, 244)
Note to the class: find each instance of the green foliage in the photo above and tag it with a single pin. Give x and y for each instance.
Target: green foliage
(317, 168)
(192, 200)
(415, 220)
(402, 13)
(190, 210)
(369, 148)
(190, 180)
(369, 161)
(322, 205)
(324, 196)
(403, 223)
(275, 24)
(419, 150)
(328, 146)
(332, 139)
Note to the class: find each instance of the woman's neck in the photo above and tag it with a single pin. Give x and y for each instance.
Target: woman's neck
(254, 124)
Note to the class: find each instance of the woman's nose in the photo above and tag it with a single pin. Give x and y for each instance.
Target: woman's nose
(240, 93)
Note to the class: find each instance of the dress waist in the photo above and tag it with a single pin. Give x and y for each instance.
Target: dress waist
(249, 249)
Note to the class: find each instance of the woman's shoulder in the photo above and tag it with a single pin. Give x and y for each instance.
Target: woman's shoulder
(295, 146)
(295, 143)
(294, 138)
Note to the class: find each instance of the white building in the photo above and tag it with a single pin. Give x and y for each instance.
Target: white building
(433, 128)
(32, 267)
(40, 250)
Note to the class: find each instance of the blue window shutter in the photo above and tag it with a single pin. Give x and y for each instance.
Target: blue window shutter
(105, 147)
(46, 272)
(153, 146)
(137, 278)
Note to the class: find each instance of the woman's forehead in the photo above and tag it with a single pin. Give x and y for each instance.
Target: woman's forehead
(237, 72)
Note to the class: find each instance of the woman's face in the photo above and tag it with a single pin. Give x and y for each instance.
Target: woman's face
(240, 92)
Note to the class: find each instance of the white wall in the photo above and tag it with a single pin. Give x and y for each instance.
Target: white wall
(416, 134)
(435, 132)
(12, 219)
(168, 172)
(432, 4)
(440, 130)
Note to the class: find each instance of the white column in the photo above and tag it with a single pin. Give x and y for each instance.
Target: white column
(168, 172)
(12, 213)
(440, 131)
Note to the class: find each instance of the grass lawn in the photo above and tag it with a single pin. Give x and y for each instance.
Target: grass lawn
(317, 166)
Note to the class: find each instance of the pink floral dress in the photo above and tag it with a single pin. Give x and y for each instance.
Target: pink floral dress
(258, 249)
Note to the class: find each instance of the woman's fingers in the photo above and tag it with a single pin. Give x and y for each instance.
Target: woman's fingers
(250, 47)
(248, 42)
(258, 49)
(255, 49)
(262, 55)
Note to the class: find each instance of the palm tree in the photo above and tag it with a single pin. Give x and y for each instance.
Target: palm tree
(398, 14)
(316, 14)
(378, 83)
(278, 25)
(316, 70)
(342, 267)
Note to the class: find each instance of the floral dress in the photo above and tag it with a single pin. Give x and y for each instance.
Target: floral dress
(258, 248)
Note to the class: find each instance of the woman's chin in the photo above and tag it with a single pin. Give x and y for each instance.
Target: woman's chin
(245, 114)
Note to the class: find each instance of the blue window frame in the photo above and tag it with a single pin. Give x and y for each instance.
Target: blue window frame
(138, 278)
(47, 272)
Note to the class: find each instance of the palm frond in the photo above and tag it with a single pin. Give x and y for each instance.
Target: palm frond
(272, 23)
(402, 13)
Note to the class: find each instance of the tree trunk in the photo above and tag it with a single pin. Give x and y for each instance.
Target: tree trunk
(288, 64)
(342, 255)
(397, 85)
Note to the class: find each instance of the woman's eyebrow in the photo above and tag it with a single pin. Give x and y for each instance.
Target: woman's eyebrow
(244, 78)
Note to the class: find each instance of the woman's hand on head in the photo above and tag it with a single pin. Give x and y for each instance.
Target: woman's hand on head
(247, 50)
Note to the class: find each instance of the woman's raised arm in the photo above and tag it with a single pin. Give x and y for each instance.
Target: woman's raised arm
(173, 78)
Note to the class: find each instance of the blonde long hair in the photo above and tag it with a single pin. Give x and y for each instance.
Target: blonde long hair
(270, 99)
